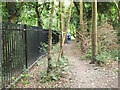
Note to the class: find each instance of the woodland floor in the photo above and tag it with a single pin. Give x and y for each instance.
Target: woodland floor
(81, 74)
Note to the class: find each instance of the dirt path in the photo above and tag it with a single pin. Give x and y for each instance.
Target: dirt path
(82, 75)
(87, 75)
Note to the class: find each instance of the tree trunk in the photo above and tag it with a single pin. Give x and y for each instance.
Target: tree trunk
(50, 39)
(77, 26)
(77, 30)
(81, 25)
(59, 55)
(38, 15)
(118, 19)
(64, 23)
(94, 31)
(61, 25)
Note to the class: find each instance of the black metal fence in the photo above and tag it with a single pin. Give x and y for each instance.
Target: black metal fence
(21, 48)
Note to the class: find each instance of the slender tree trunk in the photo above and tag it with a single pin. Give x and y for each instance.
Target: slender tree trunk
(77, 26)
(117, 8)
(118, 19)
(88, 20)
(50, 39)
(38, 15)
(94, 31)
(64, 23)
(81, 25)
(77, 30)
(59, 55)
(61, 25)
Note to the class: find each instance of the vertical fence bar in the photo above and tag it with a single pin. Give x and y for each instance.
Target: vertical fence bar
(10, 58)
(23, 48)
(5, 56)
(2, 55)
(1, 79)
(14, 43)
(25, 33)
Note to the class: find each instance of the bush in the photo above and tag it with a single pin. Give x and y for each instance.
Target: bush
(58, 71)
(103, 58)
(114, 54)
(88, 54)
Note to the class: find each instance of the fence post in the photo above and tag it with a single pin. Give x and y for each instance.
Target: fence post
(25, 36)
(1, 80)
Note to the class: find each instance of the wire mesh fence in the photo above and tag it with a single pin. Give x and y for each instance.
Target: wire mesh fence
(21, 48)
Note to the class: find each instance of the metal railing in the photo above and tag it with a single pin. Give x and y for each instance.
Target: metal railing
(21, 48)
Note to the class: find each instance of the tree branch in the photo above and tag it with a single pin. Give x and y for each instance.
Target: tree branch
(76, 5)
(63, 39)
(38, 15)
(117, 8)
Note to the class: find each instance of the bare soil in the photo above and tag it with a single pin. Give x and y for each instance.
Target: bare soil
(81, 74)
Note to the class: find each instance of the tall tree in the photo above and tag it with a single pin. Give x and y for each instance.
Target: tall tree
(38, 15)
(50, 39)
(118, 15)
(81, 25)
(61, 23)
(94, 31)
(78, 21)
(63, 39)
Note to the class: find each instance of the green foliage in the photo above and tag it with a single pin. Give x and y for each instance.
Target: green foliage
(114, 54)
(58, 71)
(23, 77)
(25, 70)
(88, 54)
(43, 47)
(103, 58)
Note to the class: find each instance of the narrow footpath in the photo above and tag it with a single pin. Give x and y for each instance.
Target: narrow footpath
(89, 75)
(80, 74)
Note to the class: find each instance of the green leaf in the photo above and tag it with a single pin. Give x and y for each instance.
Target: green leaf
(26, 75)
(22, 75)
(55, 78)
(21, 80)
(25, 82)
(12, 78)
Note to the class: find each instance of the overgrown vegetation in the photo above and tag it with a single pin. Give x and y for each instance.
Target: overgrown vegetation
(59, 70)
(22, 78)
(106, 57)
(107, 45)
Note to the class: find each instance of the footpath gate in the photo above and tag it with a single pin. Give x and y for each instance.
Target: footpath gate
(21, 48)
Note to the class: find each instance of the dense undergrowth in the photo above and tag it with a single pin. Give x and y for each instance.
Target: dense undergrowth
(106, 57)
(59, 69)
(107, 45)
